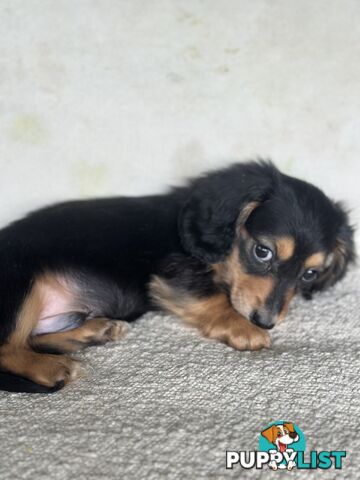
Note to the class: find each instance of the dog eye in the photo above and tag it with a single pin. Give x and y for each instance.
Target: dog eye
(310, 275)
(262, 253)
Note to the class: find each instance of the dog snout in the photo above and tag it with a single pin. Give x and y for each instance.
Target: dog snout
(262, 320)
(293, 435)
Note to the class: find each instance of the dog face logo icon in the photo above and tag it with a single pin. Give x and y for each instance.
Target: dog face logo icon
(281, 435)
(282, 440)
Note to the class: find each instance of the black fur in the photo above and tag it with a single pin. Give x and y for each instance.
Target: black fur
(113, 246)
(17, 384)
(209, 216)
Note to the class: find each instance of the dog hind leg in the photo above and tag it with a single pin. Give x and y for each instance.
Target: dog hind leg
(93, 331)
(21, 368)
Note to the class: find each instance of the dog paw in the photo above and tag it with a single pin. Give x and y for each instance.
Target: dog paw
(56, 370)
(239, 334)
(250, 337)
(291, 465)
(273, 465)
(102, 330)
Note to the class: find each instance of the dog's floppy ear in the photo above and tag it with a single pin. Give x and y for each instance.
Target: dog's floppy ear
(343, 253)
(270, 434)
(289, 426)
(218, 203)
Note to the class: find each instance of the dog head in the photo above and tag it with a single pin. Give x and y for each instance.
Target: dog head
(268, 236)
(281, 435)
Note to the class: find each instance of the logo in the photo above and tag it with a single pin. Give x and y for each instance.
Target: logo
(282, 447)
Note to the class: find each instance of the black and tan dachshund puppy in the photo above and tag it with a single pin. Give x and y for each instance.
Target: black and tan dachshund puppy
(226, 253)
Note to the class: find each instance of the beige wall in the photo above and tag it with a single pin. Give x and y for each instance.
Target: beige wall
(126, 97)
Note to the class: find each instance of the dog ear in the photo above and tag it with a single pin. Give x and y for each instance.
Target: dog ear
(342, 255)
(218, 204)
(270, 434)
(289, 426)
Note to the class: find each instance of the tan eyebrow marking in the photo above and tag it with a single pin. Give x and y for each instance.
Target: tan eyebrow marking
(285, 247)
(315, 260)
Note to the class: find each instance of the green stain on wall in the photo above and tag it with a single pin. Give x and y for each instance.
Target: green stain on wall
(288, 166)
(90, 178)
(28, 128)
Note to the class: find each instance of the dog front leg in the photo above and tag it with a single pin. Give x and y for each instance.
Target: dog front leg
(212, 315)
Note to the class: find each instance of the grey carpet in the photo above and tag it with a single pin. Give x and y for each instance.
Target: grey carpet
(165, 403)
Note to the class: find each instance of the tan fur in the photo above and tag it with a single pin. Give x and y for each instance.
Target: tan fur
(17, 356)
(288, 297)
(339, 254)
(163, 295)
(93, 331)
(44, 369)
(248, 292)
(245, 213)
(315, 260)
(213, 316)
(289, 426)
(285, 247)
(32, 307)
(270, 433)
(27, 318)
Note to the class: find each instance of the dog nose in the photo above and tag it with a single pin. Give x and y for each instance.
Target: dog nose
(262, 320)
(292, 435)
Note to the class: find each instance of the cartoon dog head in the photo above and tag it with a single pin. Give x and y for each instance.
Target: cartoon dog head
(281, 435)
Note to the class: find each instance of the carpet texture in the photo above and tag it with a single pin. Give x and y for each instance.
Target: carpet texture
(166, 403)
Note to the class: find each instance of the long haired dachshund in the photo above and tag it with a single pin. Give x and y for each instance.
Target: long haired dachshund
(226, 253)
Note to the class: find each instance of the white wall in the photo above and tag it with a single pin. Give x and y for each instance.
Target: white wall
(126, 97)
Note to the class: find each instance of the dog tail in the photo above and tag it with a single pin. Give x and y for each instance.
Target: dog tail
(13, 383)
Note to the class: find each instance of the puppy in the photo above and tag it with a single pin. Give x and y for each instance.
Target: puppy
(281, 436)
(226, 253)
